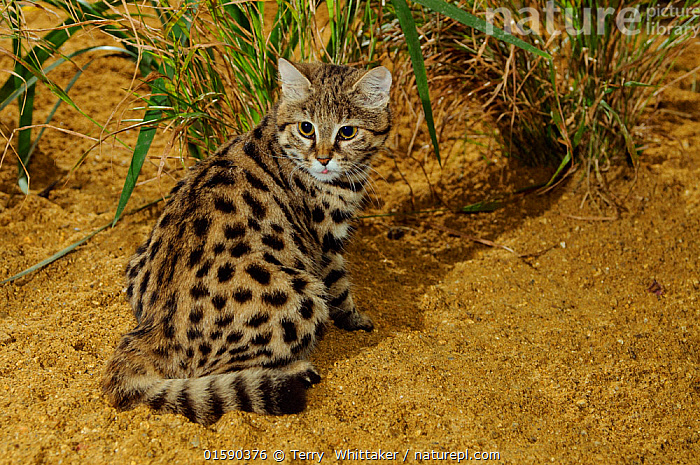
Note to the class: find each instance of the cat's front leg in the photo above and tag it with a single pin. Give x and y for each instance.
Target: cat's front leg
(341, 304)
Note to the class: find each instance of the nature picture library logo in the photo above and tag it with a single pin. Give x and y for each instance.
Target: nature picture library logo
(667, 20)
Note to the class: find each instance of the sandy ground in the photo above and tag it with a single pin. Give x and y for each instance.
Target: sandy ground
(557, 352)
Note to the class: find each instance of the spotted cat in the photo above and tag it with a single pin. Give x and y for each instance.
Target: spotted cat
(243, 269)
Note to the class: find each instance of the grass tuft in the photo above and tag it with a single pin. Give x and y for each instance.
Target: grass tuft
(580, 110)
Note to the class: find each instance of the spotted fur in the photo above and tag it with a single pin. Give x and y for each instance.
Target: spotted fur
(244, 268)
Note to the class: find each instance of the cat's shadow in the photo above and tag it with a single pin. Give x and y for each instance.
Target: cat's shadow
(384, 288)
(391, 274)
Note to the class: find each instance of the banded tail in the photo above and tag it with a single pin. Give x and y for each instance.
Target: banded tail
(273, 391)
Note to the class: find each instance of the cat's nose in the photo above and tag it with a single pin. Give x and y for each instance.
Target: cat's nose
(323, 161)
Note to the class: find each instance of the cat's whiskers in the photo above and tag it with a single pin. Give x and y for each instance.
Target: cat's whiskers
(350, 180)
(366, 169)
(367, 181)
(291, 173)
(369, 167)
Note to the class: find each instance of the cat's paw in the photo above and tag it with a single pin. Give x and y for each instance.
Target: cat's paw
(305, 372)
(354, 321)
(310, 377)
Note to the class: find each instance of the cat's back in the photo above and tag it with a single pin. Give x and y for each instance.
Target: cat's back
(230, 220)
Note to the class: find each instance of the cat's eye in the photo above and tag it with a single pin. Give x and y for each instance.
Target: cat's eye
(306, 129)
(347, 132)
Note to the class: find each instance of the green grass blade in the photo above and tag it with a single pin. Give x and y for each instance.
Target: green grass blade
(52, 41)
(143, 143)
(40, 54)
(25, 139)
(74, 245)
(55, 256)
(70, 85)
(560, 124)
(39, 75)
(560, 168)
(408, 26)
(629, 141)
(579, 132)
(481, 207)
(60, 93)
(17, 89)
(479, 24)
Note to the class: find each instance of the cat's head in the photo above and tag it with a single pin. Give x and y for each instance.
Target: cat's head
(332, 119)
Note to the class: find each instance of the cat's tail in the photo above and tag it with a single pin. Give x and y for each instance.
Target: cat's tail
(275, 391)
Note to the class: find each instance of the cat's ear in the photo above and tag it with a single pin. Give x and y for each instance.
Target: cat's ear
(295, 86)
(373, 87)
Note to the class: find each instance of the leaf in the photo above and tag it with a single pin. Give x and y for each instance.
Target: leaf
(564, 162)
(17, 90)
(579, 133)
(408, 26)
(629, 141)
(25, 139)
(638, 84)
(479, 207)
(143, 143)
(73, 246)
(70, 85)
(55, 256)
(52, 41)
